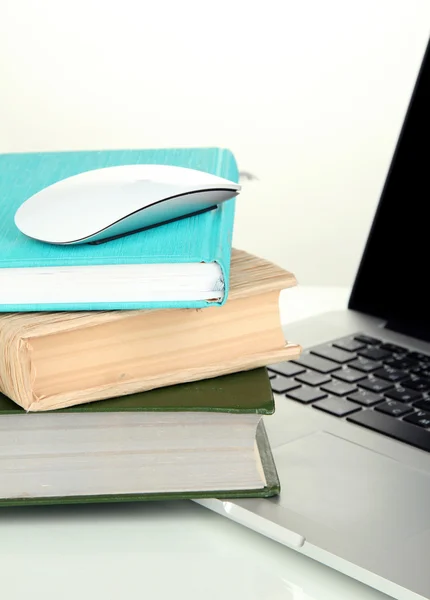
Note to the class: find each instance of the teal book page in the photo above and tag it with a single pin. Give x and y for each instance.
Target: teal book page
(203, 238)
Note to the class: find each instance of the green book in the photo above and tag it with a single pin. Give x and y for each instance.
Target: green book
(203, 439)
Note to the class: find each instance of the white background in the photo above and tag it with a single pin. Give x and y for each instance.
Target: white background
(309, 95)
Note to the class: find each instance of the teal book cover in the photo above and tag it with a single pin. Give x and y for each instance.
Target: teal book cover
(201, 239)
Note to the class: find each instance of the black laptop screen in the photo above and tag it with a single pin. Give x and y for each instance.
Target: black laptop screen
(393, 280)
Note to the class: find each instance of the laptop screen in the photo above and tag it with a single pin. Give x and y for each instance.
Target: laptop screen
(393, 280)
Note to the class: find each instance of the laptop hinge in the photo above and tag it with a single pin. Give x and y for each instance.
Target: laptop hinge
(415, 330)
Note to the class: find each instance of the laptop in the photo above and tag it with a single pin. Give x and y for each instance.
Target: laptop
(351, 432)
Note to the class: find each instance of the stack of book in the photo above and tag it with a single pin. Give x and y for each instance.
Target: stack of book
(134, 369)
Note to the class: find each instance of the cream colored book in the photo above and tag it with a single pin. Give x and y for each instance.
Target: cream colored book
(54, 360)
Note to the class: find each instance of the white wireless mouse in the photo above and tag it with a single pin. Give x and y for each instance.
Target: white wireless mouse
(107, 203)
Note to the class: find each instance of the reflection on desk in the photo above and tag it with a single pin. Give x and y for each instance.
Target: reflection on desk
(157, 550)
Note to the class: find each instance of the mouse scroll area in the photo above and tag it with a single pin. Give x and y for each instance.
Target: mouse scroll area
(84, 228)
(82, 210)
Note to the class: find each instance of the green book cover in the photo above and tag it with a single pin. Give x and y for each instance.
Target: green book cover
(244, 392)
(247, 392)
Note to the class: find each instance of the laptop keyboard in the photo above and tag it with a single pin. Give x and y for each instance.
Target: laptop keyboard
(378, 385)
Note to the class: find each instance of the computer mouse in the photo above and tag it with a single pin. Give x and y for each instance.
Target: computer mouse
(103, 204)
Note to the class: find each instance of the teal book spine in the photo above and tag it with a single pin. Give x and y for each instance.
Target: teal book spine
(202, 238)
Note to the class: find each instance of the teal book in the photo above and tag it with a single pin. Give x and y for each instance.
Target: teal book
(197, 440)
(184, 264)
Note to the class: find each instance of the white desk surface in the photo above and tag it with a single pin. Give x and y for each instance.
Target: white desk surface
(163, 550)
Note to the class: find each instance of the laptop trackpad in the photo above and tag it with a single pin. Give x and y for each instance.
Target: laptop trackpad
(351, 489)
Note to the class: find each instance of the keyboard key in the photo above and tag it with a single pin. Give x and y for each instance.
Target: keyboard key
(313, 378)
(374, 353)
(365, 365)
(391, 374)
(393, 408)
(403, 364)
(337, 406)
(322, 365)
(287, 368)
(366, 339)
(420, 418)
(366, 398)
(375, 385)
(403, 395)
(395, 428)
(271, 375)
(349, 344)
(349, 375)
(306, 395)
(339, 388)
(394, 348)
(423, 404)
(339, 356)
(280, 384)
(418, 384)
(418, 356)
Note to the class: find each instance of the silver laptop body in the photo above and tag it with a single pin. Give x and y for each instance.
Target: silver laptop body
(351, 432)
